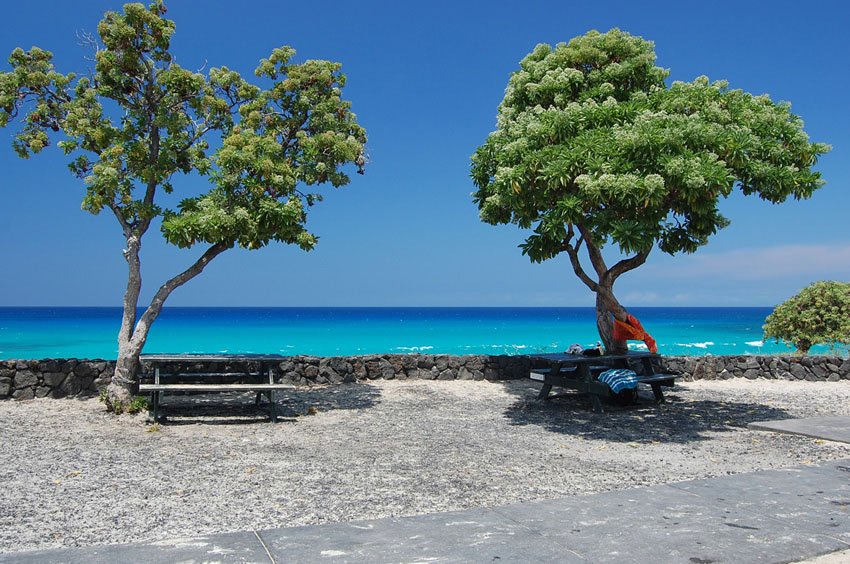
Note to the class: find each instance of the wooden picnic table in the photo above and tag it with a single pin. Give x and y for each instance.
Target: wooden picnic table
(579, 372)
(171, 373)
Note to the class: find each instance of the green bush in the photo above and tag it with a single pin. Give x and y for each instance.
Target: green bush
(820, 313)
(134, 406)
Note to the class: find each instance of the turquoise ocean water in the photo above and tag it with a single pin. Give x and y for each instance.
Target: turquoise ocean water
(32, 333)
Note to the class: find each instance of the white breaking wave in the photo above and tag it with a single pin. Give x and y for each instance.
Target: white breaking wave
(755, 343)
(413, 349)
(704, 345)
(638, 347)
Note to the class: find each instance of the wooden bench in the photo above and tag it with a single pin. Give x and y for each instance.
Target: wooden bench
(187, 381)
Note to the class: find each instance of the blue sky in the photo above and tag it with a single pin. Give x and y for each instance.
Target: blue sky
(425, 79)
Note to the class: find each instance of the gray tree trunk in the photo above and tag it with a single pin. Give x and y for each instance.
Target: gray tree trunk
(124, 384)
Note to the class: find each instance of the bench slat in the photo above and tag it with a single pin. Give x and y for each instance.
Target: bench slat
(571, 369)
(540, 374)
(203, 374)
(213, 387)
(657, 377)
(546, 371)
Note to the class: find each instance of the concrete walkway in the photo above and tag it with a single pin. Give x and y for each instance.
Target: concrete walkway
(772, 516)
(832, 428)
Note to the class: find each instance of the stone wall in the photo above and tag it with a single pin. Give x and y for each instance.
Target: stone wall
(57, 378)
(812, 368)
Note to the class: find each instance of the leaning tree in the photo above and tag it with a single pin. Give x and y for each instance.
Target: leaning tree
(140, 119)
(592, 148)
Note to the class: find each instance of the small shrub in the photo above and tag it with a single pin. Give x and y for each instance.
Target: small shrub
(134, 406)
(820, 313)
(137, 405)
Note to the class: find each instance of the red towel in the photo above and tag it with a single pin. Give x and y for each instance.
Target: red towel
(632, 329)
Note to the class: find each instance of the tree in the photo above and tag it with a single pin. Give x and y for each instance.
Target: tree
(820, 313)
(141, 118)
(592, 148)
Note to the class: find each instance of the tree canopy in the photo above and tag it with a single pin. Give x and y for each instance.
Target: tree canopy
(819, 313)
(588, 133)
(141, 119)
(297, 131)
(592, 147)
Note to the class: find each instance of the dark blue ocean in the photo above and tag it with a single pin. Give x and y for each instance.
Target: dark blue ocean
(32, 333)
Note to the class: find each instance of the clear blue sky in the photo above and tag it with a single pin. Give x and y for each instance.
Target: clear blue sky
(425, 79)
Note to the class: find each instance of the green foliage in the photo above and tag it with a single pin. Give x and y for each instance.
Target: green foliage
(137, 405)
(820, 313)
(589, 134)
(293, 130)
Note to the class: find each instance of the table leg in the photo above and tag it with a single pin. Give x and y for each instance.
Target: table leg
(587, 378)
(597, 403)
(272, 407)
(656, 391)
(554, 370)
(155, 405)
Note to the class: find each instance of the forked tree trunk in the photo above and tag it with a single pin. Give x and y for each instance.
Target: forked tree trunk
(133, 335)
(607, 306)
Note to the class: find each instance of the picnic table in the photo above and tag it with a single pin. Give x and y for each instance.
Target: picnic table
(579, 372)
(178, 373)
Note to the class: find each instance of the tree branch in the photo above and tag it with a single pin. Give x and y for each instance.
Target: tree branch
(572, 251)
(593, 251)
(125, 226)
(628, 264)
(134, 287)
(155, 307)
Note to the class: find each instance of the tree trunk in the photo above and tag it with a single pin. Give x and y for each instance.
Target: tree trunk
(124, 384)
(607, 309)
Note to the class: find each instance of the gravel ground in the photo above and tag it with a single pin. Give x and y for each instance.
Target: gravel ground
(73, 475)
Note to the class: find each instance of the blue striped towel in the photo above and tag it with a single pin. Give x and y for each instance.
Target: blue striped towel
(619, 379)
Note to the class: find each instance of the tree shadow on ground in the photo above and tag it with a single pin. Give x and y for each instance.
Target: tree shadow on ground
(679, 419)
(240, 408)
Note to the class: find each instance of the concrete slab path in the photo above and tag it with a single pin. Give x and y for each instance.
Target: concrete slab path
(833, 428)
(783, 515)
